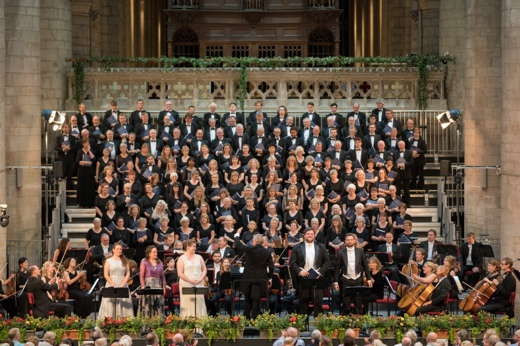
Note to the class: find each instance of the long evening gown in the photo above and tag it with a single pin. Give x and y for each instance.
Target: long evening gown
(124, 307)
(193, 270)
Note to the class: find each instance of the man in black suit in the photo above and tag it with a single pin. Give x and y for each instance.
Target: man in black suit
(338, 118)
(224, 249)
(352, 266)
(337, 153)
(438, 297)
(99, 253)
(403, 162)
(471, 259)
(238, 116)
(258, 270)
(239, 139)
(417, 145)
(358, 156)
(251, 118)
(313, 140)
(42, 303)
(155, 144)
(170, 113)
(260, 122)
(84, 118)
(212, 114)
(306, 256)
(389, 123)
(198, 141)
(230, 127)
(189, 126)
(210, 130)
(431, 246)
(379, 111)
(360, 118)
(21, 279)
(371, 139)
(501, 299)
(111, 116)
(135, 116)
(122, 128)
(312, 115)
(293, 140)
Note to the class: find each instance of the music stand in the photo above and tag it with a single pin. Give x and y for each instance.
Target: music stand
(150, 291)
(195, 291)
(115, 293)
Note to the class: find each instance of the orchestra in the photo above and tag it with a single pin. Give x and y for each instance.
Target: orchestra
(250, 215)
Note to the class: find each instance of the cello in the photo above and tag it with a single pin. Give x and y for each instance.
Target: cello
(422, 298)
(479, 296)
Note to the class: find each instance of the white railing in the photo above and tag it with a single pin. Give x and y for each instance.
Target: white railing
(289, 86)
(58, 216)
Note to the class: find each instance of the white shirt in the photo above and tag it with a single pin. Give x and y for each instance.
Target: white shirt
(430, 250)
(153, 147)
(351, 268)
(468, 259)
(216, 269)
(388, 248)
(105, 249)
(358, 155)
(309, 256)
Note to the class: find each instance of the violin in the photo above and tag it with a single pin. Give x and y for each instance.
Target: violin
(84, 285)
(478, 297)
(10, 285)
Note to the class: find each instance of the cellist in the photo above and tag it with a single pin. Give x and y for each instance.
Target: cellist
(441, 291)
(499, 301)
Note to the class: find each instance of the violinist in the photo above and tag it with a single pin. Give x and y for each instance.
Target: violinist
(60, 252)
(377, 290)
(431, 246)
(506, 285)
(170, 272)
(437, 299)
(214, 268)
(21, 280)
(42, 303)
(73, 278)
(225, 285)
(420, 260)
(429, 270)
(7, 299)
(453, 268)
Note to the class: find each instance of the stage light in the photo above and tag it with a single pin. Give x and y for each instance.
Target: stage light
(447, 118)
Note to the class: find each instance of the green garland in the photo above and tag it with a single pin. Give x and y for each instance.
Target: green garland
(423, 64)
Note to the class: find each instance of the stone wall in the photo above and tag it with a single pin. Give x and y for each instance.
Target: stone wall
(3, 197)
(510, 129)
(23, 107)
(482, 114)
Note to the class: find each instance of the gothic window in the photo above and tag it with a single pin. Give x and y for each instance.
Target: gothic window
(290, 51)
(266, 51)
(239, 51)
(214, 51)
(185, 43)
(321, 43)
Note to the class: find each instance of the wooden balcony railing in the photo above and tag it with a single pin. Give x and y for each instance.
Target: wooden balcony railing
(252, 4)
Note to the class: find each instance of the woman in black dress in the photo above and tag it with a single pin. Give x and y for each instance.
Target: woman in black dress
(86, 176)
(94, 234)
(377, 290)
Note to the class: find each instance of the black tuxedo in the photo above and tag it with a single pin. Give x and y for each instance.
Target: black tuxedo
(417, 169)
(381, 116)
(388, 143)
(477, 260)
(395, 124)
(310, 290)
(228, 131)
(343, 155)
(435, 249)
(228, 252)
(367, 142)
(207, 134)
(251, 118)
(313, 141)
(107, 116)
(292, 142)
(165, 134)
(209, 115)
(340, 119)
(184, 128)
(142, 131)
(174, 114)
(316, 120)
(362, 119)
(158, 146)
(194, 146)
(236, 143)
(42, 303)
(135, 118)
(355, 162)
(238, 115)
(67, 157)
(120, 128)
(84, 120)
(361, 268)
(349, 141)
(253, 127)
(97, 254)
(258, 269)
(216, 142)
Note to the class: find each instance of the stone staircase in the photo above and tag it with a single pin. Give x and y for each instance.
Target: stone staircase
(423, 209)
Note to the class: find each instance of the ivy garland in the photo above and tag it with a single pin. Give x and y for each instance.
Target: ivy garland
(423, 64)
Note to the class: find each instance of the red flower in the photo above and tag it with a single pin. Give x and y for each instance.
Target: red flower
(235, 318)
(293, 319)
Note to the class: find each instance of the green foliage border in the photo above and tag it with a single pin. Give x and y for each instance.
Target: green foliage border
(423, 63)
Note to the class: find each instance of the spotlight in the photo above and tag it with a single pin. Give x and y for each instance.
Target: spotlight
(4, 216)
(447, 118)
(55, 119)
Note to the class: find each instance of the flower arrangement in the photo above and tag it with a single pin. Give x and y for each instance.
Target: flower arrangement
(222, 327)
(268, 324)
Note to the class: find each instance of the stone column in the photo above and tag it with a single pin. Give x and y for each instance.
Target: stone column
(510, 179)
(22, 108)
(482, 117)
(56, 47)
(3, 192)
(452, 39)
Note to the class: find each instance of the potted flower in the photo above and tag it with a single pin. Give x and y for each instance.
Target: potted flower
(76, 329)
(222, 327)
(268, 325)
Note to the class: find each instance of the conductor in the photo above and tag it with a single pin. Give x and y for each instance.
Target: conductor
(258, 269)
